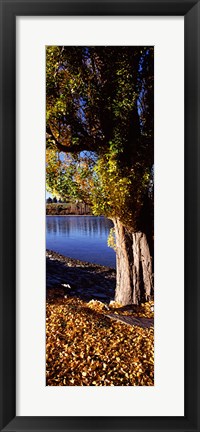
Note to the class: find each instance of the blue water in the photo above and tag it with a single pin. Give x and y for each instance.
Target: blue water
(81, 237)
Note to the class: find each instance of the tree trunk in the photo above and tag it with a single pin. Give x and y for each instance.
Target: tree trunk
(134, 266)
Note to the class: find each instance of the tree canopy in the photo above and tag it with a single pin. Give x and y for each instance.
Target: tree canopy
(99, 104)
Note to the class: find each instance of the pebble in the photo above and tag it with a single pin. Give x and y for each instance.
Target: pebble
(66, 286)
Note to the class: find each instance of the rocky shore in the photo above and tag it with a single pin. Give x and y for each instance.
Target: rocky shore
(81, 279)
(69, 278)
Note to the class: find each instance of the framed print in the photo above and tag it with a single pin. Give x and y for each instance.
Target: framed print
(92, 65)
(102, 368)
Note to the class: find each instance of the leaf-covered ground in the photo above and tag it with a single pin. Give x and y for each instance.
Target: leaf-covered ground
(84, 347)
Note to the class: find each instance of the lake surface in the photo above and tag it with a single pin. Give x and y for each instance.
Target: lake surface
(81, 237)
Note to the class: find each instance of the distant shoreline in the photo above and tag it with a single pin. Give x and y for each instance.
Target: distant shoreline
(73, 215)
(68, 208)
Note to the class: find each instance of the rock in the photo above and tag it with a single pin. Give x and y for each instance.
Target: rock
(66, 286)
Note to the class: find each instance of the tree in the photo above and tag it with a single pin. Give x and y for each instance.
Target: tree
(100, 148)
(49, 200)
(55, 200)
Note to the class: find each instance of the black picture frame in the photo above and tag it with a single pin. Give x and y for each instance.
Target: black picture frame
(190, 9)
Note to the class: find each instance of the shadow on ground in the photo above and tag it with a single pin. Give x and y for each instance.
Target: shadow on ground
(83, 280)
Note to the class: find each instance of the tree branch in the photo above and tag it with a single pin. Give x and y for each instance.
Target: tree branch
(86, 143)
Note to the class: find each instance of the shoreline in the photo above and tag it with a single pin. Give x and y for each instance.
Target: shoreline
(75, 261)
(80, 278)
(69, 278)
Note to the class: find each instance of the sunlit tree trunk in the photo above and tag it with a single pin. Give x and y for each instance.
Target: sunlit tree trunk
(134, 266)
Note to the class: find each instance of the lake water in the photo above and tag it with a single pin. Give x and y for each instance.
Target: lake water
(81, 237)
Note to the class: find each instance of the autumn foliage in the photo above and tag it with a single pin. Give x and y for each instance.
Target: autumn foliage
(86, 348)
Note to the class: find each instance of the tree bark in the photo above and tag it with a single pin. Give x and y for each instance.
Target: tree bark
(134, 266)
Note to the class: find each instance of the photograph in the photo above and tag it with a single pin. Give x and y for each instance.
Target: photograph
(99, 215)
(100, 235)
